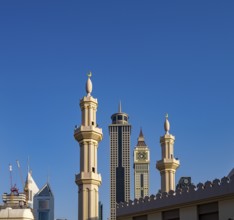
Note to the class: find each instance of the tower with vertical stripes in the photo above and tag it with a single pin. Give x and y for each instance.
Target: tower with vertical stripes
(119, 131)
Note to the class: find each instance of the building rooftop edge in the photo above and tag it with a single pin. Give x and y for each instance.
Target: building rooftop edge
(208, 190)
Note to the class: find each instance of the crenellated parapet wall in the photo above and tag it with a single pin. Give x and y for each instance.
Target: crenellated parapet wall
(209, 191)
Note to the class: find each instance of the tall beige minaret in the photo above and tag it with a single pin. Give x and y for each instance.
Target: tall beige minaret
(168, 164)
(88, 135)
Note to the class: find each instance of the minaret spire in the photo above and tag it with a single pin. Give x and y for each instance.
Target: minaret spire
(166, 124)
(89, 86)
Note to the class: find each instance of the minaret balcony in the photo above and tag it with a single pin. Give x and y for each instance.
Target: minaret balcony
(89, 178)
(165, 163)
(88, 132)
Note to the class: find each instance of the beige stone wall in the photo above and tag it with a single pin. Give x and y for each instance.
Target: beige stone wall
(155, 216)
(226, 209)
(188, 213)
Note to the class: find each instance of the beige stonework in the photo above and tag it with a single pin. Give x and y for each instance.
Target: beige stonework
(212, 200)
(168, 164)
(155, 216)
(141, 168)
(226, 209)
(189, 212)
(88, 136)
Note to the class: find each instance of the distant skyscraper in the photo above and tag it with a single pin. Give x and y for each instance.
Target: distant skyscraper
(168, 164)
(43, 204)
(141, 168)
(100, 206)
(120, 131)
(88, 135)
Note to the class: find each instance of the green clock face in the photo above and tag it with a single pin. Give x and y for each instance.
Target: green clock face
(141, 155)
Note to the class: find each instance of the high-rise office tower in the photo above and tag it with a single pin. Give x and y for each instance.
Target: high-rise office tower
(141, 168)
(100, 206)
(43, 204)
(168, 164)
(120, 131)
(88, 135)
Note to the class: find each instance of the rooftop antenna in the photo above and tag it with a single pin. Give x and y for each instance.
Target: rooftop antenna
(48, 176)
(10, 170)
(120, 107)
(14, 190)
(28, 165)
(20, 172)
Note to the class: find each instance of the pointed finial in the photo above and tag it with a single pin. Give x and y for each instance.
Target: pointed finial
(89, 85)
(48, 176)
(141, 133)
(141, 140)
(120, 107)
(166, 124)
(89, 74)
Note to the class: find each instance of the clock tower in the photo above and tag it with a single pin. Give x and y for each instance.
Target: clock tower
(141, 168)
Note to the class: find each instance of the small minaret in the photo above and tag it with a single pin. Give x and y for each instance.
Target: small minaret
(88, 135)
(168, 164)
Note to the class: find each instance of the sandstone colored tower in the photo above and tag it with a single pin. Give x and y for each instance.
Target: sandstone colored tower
(168, 164)
(141, 168)
(88, 136)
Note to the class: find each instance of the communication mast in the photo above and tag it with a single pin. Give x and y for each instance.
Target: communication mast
(14, 190)
(20, 173)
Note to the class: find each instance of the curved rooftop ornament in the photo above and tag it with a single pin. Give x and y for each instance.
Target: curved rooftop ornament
(89, 86)
(166, 125)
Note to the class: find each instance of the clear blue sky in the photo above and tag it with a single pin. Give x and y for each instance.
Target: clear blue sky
(157, 57)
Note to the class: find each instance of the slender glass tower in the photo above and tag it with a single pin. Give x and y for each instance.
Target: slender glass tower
(120, 131)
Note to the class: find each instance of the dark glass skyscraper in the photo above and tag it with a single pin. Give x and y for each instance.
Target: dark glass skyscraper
(120, 131)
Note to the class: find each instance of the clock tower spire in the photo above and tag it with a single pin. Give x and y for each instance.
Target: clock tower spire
(168, 164)
(88, 136)
(141, 168)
